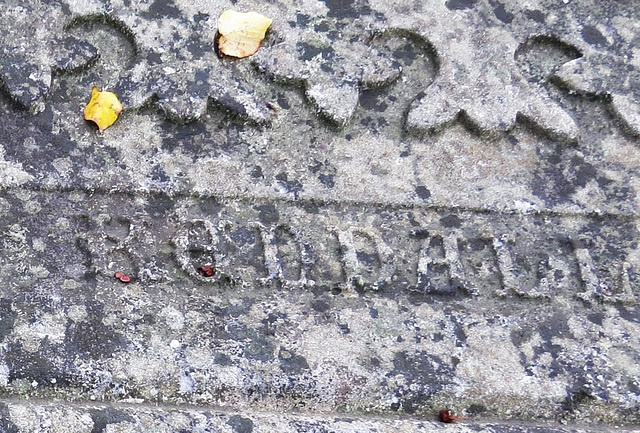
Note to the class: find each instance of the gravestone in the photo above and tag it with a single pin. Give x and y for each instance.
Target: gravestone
(393, 208)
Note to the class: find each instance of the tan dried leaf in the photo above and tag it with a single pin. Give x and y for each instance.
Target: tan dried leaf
(241, 33)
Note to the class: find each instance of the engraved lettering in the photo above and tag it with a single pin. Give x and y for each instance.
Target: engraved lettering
(115, 248)
(275, 266)
(626, 295)
(505, 265)
(588, 276)
(449, 262)
(594, 287)
(502, 247)
(480, 263)
(197, 251)
(355, 271)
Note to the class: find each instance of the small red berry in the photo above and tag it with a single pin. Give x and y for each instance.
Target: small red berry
(206, 270)
(445, 416)
(122, 277)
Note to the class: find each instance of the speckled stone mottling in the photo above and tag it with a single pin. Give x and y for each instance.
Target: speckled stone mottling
(365, 309)
(141, 418)
(36, 48)
(393, 208)
(332, 49)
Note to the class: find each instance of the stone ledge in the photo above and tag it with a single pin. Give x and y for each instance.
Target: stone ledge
(61, 417)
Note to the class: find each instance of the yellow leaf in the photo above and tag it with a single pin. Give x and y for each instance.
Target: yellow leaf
(241, 33)
(103, 108)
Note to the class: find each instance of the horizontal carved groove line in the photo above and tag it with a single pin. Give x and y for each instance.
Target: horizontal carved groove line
(258, 415)
(328, 202)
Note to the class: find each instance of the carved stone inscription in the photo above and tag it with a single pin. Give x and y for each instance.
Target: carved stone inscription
(501, 261)
(419, 252)
(414, 301)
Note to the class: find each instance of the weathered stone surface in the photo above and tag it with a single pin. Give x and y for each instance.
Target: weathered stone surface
(318, 306)
(393, 208)
(36, 48)
(470, 42)
(39, 417)
(334, 58)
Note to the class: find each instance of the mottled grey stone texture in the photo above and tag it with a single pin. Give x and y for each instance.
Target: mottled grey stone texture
(42, 417)
(393, 208)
